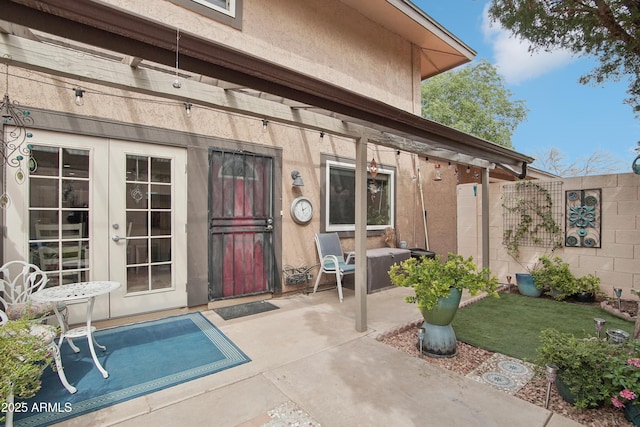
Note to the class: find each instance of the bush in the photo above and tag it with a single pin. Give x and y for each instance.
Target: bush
(583, 365)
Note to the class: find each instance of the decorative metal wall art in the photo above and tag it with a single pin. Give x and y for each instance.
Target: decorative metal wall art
(14, 121)
(583, 218)
(14, 136)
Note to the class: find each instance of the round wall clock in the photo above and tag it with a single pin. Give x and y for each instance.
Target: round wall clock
(301, 210)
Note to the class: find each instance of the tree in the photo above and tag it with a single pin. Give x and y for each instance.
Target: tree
(606, 29)
(598, 163)
(473, 100)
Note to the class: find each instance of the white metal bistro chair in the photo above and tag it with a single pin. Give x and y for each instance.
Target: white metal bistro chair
(332, 259)
(18, 280)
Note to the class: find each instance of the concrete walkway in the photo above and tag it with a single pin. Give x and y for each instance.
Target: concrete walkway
(310, 367)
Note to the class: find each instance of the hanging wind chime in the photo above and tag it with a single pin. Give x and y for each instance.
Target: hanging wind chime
(14, 135)
(177, 83)
(372, 168)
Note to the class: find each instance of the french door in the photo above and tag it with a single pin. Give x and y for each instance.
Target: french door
(102, 209)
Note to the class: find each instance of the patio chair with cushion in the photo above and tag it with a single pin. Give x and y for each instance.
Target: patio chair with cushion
(332, 259)
(18, 280)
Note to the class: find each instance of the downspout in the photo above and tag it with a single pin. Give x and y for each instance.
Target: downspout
(485, 218)
(520, 175)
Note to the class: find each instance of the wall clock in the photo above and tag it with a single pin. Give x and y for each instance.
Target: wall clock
(301, 210)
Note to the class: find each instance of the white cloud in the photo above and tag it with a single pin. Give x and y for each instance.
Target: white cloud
(512, 57)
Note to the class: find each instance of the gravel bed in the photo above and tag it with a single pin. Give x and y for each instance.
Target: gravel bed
(470, 357)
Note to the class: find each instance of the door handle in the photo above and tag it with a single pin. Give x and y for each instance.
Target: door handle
(117, 238)
(269, 227)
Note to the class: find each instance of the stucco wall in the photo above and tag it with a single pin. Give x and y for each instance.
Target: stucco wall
(617, 262)
(322, 38)
(300, 150)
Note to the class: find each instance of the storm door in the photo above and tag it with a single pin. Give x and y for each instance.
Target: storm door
(240, 224)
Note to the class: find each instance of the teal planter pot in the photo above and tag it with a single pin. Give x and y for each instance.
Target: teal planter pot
(443, 313)
(569, 396)
(632, 413)
(526, 286)
(440, 338)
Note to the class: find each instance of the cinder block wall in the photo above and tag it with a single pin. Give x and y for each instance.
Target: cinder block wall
(617, 262)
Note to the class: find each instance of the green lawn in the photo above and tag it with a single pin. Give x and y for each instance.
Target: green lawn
(512, 323)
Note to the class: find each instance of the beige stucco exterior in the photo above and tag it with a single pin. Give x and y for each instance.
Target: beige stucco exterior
(328, 40)
(324, 39)
(302, 151)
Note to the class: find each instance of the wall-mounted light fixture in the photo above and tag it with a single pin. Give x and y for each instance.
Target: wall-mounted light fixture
(438, 176)
(321, 134)
(265, 123)
(297, 179)
(187, 108)
(79, 96)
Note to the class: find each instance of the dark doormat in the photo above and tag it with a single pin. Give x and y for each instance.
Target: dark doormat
(246, 309)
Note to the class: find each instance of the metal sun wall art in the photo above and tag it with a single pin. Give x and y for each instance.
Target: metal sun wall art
(583, 218)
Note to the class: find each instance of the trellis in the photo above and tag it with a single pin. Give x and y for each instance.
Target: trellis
(532, 211)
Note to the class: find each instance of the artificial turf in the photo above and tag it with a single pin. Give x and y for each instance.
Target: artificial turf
(511, 324)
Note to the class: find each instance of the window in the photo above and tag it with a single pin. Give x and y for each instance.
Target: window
(340, 193)
(227, 7)
(59, 182)
(226, 11)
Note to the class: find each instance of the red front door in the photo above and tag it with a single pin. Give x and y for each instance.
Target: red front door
(240, 224)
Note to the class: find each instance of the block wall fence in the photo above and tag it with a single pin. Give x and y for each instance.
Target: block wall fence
(616, 262)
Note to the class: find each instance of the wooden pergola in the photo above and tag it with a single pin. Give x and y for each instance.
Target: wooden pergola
(236, 82)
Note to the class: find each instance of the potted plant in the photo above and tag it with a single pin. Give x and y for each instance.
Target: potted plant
(624, 374)
(438, 289)
(587, 287)
(555, 275)
(530, 222)
(23, 359)
(583, 365)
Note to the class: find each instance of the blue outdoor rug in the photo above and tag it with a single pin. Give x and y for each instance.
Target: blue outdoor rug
(140, 358)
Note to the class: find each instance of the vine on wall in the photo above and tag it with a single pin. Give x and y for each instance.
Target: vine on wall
(531, 215)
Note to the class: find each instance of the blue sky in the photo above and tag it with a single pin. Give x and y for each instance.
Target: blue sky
(576, 119)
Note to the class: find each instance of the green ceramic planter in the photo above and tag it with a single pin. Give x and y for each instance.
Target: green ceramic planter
(443, 313)
(440, 338)
(567, 395)
(526, 286)
(632, 413)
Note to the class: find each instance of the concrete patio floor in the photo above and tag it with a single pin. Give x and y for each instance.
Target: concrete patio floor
(310, 366)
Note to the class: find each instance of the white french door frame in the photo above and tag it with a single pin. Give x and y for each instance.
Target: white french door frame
(107, 257)
(125, 302)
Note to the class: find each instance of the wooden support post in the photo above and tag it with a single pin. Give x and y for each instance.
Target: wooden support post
(361, 235)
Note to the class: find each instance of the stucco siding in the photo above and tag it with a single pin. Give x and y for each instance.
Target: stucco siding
(322, 38)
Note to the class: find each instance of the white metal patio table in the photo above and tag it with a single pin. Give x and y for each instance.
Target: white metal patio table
(78, 291)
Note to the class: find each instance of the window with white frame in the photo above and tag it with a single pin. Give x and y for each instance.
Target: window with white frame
(227, 7)
(340, 193)
(226, 11)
